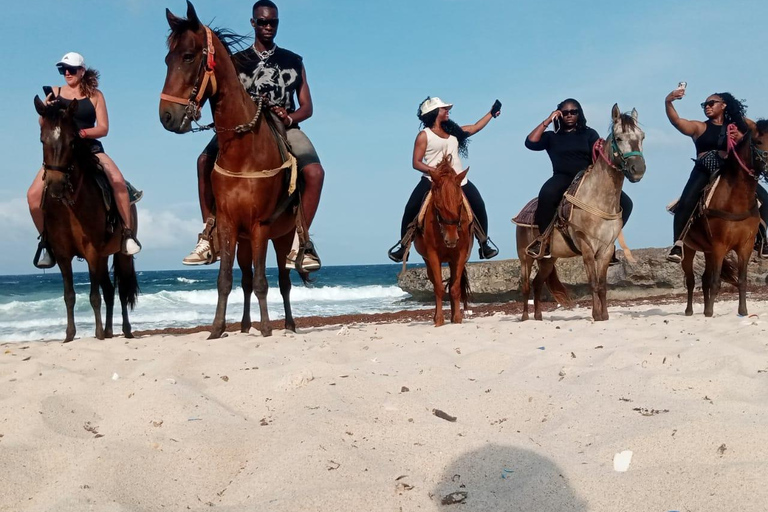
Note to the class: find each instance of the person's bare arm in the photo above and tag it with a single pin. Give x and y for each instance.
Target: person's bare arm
(419, 149)
(685, 126)
(102, 118)
(305, 109)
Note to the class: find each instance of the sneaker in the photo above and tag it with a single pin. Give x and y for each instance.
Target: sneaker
(763, 252)
(43, 257)
(487, 251)
(201, 254)
(675, 254)
(536, 250)
(131, 247)
(397, 255)
(310, 262)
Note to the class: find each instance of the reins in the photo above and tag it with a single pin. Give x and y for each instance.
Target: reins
(732, 130)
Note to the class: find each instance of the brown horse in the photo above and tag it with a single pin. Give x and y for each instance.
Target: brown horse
(77, 222)
(248, 182)
(595, 221)
(729, 223)
(446, 237)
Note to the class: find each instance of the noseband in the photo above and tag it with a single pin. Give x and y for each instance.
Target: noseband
(205, 74)
(599, 150)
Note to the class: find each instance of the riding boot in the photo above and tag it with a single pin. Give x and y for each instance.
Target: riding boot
(397, 252)
(676, 253)
(487, 249)
(310, 261)
(761, 244)
(206, 251)
(540, 247)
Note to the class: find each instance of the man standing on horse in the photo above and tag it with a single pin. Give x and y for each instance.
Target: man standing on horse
(278, 74)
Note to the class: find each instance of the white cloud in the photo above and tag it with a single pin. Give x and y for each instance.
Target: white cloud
(163, 229)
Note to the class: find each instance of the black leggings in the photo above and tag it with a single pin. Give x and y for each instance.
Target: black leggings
(692, 193)
(413, 205)
(552, 193)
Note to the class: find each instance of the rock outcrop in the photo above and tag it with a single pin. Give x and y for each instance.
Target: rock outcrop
(651, 274)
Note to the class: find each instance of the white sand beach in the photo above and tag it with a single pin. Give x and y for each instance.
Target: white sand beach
(341, 418)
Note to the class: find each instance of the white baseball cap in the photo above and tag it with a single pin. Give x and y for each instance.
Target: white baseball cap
(72, 59)
(430, 104)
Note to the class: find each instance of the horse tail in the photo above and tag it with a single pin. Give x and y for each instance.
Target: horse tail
(466, 292)
(730, 272)
(558, 290)
(125, 279)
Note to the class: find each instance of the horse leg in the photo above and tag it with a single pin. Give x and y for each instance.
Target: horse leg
(95, 269)
(526, 263)
(245, 261)
(690, 280)
(108, 290)
(436, 276)
(457, 269)
(715, 265)
(227, 243)
(743, 254)
(282, 247)
(259, 240)
(127, 287)
(545, 268)
(601, 263)
(65, 266)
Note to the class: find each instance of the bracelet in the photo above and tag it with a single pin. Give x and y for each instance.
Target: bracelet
(290, 120)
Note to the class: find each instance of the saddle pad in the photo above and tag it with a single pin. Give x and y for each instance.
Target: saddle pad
(428, 199)
(526, 217)
(706, 196)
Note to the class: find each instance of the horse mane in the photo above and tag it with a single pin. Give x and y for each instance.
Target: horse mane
(628, 123)
(229, 39)
(445, 168)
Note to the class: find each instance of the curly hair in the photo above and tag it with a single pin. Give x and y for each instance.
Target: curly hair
(581, 124)
(735, 111)
(90, 82)
(450, 127)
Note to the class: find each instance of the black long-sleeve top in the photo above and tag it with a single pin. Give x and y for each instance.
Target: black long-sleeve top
(570, 152)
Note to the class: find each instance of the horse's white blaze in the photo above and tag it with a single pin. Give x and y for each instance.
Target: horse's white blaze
(56, 133)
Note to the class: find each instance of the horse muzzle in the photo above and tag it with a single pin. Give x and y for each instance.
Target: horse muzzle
(634, 170)
(174, 117)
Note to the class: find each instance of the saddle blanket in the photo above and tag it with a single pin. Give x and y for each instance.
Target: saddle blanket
(527, 216)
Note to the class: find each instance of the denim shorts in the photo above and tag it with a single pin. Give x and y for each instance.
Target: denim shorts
(301, 147)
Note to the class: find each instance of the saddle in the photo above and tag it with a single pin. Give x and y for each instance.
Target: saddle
(526, 217)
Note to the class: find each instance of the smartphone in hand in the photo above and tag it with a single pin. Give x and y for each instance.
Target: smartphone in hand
(47, 90)
(681, 86)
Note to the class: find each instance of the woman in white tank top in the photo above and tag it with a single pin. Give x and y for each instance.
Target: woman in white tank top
(439, 137)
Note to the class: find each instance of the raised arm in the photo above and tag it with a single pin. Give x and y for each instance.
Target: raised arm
(419, 150)
(533, 139)
(495, 111)
(686, 127)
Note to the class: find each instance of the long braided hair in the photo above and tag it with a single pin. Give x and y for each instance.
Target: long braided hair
(450, 127)
(735, 111)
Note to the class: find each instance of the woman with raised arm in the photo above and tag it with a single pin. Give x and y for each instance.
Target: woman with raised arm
(441, 136)
(92, 120)
(710, 139)
(569, 148)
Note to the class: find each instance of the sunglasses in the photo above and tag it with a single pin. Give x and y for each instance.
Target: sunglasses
(68, 69)
(710, 103)
(263, 22)
(573, 112)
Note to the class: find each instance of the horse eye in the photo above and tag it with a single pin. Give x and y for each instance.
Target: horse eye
(189, 57)
(618, 139)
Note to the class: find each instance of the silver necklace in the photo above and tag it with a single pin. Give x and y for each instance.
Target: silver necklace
(266, 53)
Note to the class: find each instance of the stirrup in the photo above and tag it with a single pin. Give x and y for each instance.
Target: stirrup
(126, 247)
(310, 260)
(494, 250)
(397, 255)
(541, 253)
(44, 257)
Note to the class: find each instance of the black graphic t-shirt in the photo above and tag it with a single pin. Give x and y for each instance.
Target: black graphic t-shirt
(279, 76)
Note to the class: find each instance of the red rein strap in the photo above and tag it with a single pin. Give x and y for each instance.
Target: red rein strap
(731, 131)
(210, 65)
(599, 150)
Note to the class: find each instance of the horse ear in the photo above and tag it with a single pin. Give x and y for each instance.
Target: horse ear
(39, 105)
(71, 108)
(615, 112)
(460, 177)
(192, 16)
(434, 175)
(634, 114)
(173, 20)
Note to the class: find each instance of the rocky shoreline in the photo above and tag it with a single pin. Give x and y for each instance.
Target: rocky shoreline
(649, 275)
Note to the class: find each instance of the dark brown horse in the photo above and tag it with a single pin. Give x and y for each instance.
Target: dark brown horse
(595, 222)
(77, 222)
(729, 223)
(446, 238)
(248, 181)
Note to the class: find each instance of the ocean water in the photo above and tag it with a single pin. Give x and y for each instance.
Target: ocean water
(32, 306)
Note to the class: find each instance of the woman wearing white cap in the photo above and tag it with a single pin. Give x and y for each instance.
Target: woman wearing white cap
(93, 123)
(442, 136)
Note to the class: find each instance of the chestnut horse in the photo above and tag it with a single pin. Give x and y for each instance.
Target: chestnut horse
(77, 222)
(248, 181)
(595, 222)
(446, 237)
(730, 221)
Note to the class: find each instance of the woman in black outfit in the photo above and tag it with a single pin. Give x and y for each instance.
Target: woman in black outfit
(709, 137)
(570, 150)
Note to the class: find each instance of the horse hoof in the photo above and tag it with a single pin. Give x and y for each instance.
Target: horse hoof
(128, 334)
(688, 312)
(290, 326)
(108, 334)
(266, 332)
(537, 317)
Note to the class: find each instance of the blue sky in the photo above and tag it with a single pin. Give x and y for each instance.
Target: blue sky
(369, 64)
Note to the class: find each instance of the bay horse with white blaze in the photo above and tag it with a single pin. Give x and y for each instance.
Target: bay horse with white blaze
(255, 202)
(77, 222)
(446, 237)
(730, 221)
(595, 221)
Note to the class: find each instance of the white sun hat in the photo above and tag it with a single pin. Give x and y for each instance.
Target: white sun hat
(433, 103)
(72, 59)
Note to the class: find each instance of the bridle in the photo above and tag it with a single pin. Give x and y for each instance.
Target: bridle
(205, 74)
(598, 150)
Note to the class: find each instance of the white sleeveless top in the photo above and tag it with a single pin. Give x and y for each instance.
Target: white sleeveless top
(437, 147)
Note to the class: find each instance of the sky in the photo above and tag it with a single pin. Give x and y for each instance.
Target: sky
(369, 65)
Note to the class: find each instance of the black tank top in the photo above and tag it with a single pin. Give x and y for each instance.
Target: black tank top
(711, 138)
(85, 116)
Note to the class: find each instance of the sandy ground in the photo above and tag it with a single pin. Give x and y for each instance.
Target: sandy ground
(342, 417)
